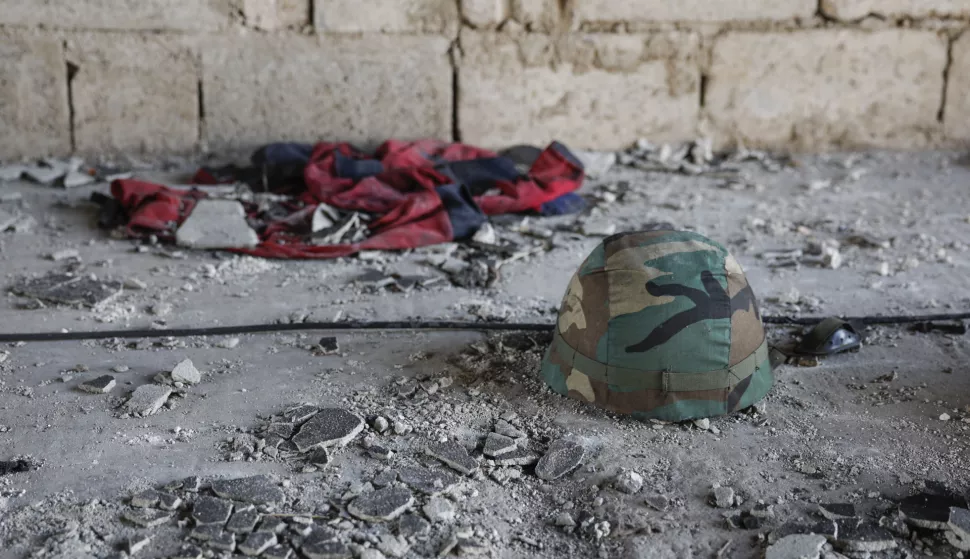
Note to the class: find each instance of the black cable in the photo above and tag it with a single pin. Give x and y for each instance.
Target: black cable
(406, 325)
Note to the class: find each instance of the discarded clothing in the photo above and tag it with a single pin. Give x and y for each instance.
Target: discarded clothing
(417, 193)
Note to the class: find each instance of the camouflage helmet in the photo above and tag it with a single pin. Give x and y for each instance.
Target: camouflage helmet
(660, 325)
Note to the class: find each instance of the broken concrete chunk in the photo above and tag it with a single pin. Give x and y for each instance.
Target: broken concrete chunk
(243, 521)
(393, 546)
(954, 539)
(381, 505)
(930, 511)
(146, 499)
(326, 550)
(66, 254)
(256, 543)
(835, 511)
(225, 541)
(598, 228)
(453, 455)
(100, 385)
(211, 511)
(826, 528)
(561, 458)
(272, 525)
(411, 525)
(959, 522)
(628, 482)
(301, 413)
(596, 163)
(147, 399)
(259, 490)
(43, 175)
(10, 173)
(188, 551)
(216, 224)
(328, 345)
(429, 482)
(864, 537)
(207, 532)
(74, 179)
(503, 427)
(439, 509)
(497, 445)
(167, 501)
(138, 543)
(278, 552)
(68, 289)
(797, 547)
(331, 427)
(147, 518)
(186, 372)
(518, 457)
(723, 497)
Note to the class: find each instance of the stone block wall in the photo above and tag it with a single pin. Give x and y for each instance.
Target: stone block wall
(183, 76)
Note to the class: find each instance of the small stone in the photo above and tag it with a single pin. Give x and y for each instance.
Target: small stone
(192, 484)
(796, 547)
(146, 499)
(628, 482)
(278, 552)
(319, 457)
(66, 254)
(120, 368)
(167, 501)
(561, 458)
(100, 385)
(216, 224)
(207, 532)
(411, 525)
(564, 520)
(331, 427)
(256, 543)
(485, 235)
(147, 399)
(723, 497)
(393, 546)
(384, 478)
(258, 490)
(864, 537)
(188, 551)
(147, 518)
(380, 452)
(326, 550)
(272, 525)
(503, 427)
(10, 173)
(657, 502)
(225, 541)
(497, 445)
(329, 345)
(959, 522)
(380, 424)
(429, 482)
(703, 424)
(228, 343)
(945, 417)
(211, 511)
(186, 372)
(243, 521)
(453, 455)
(598, 228)
(138, 543)
(381, 505)
(518, 457)
(402, 428)
(439, 509)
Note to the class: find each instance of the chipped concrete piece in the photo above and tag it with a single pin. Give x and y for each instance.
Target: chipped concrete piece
(43, 175)
(278, 552)
(146, 499)
(381, 505)
(10, 173)
(147, 399)
(243, 521)
(429, 482)
(331, 427)
(503, 427)
(518, 457)
(835, 511)
(138, 543)
(168, 501)
(628, 482)
(326, 550)
(393, 546)
(147, 518)
(561, 458)
(188, 551)
(930, 511)
(864, 537)
(454, 456)
(100, 385)
(439, 509)
(186, 372)
(959, 522)
(411, 525)
(256, 543)
(74, 179)
(207, 532)
(954, 539)
(497, 445)
(723, 497)
(211, 511)
(597, 163)
(259, 490)
(796, 547)
(68, 289)
(215, 224)
(66, 254)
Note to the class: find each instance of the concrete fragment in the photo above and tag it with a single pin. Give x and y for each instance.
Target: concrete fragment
(597, 163)
(326, 550)
(703, 424)
(10, 173)
(930, 511)
(439, 509)
(814, 89)
(146, 499)
(497, 445)
(959, 522)
(503, 427)
(147, 518)
(138, 543)
(259, 490)
(381, 505)
(518, 457)
(168, 501)
(864, 537)
(429, 482)
(835, 511)
(147, 399)
(654, 80)
(188, 551)
(100, 385)
(796, 547)
(957, 541)
(215, 224)
(65, 254)
(211, 511)
(272, 525)
(628, 482)
(252, 82)
(224, 541)
(43, 175)
(278, 552)
(68, 289)
(561, 458)
(826, 528)
(207, 532)
(454, 456)
(186, 372)
(411, 525)
(329, 428)
(243, 521)
(723, 497)
(74, 179)
(328, 345)
(380, 424)
(393, 546)
(256, 543)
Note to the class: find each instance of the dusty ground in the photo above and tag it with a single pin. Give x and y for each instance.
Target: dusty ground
(831, 433)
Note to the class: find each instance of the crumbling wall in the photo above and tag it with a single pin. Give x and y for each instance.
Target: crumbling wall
(109, 76)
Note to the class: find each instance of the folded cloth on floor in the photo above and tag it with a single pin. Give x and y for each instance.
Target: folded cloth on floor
(417, 193)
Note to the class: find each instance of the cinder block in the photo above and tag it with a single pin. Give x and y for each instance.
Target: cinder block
(818, 89)
(485, 13)
(956, 115)
(362, 89)
(188, 15)
(589, 91)
(34, 114)
(134, 93)
(858, 9)
(390, 16)
(599, 11)
(276, 14)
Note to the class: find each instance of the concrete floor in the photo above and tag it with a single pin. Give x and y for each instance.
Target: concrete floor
(867, 441)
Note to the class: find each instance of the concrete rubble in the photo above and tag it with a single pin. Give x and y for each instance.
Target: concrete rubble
(215, 224)
(147, 399)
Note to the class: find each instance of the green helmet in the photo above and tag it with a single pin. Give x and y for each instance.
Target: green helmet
(660, 325)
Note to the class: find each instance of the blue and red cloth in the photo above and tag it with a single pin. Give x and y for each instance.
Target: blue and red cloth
(418, 193)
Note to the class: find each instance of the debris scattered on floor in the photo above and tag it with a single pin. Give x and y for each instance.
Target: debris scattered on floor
(147, 399)
(561, 458)
(186, 372)
(100, 385)
(216, 224)
(68, 288)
